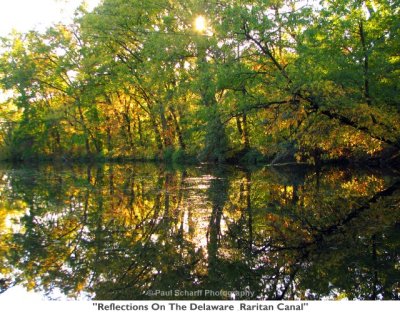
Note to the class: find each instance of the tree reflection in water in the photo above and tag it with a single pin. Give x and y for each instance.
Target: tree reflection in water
(123, 231)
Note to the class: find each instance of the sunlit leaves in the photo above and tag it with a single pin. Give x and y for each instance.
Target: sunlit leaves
(135, 80)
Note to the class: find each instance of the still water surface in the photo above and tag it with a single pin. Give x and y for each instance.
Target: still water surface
(144, 231)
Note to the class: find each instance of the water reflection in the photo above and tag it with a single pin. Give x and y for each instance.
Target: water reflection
(123, 231)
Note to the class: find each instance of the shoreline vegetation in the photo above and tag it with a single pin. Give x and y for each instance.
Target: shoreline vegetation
(371, 163)
(386, 160)
(255, 83)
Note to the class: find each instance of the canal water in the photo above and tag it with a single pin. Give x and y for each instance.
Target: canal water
(147, 231)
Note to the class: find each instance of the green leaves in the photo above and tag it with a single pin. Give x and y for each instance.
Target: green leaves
(137, 75)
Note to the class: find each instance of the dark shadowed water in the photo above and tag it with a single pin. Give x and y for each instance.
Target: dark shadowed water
(144, 231)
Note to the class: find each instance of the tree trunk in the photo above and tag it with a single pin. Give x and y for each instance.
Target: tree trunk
(177, 129)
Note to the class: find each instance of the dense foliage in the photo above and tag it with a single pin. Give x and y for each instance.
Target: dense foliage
(272, 80)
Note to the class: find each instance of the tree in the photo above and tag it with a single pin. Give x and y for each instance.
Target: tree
(277, 81)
